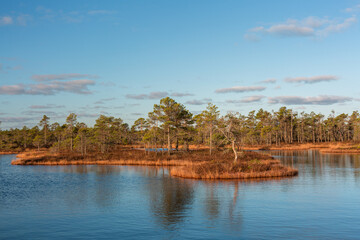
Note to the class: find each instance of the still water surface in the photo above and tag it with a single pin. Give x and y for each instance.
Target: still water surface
(102, 202)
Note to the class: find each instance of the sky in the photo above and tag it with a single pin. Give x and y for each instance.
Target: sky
(120, 57)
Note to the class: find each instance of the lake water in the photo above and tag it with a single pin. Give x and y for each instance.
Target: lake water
(124, 202)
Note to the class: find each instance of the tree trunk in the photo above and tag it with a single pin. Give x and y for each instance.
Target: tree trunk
(169, 143)
(291, 130)
(210, 139)
(82, 145)
(71, 143)
(313, 135)
(233, 148)
(186, 146)
(45, 135)
(85, 145)
(177, 143)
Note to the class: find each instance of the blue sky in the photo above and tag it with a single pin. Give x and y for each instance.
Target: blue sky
(119, 58)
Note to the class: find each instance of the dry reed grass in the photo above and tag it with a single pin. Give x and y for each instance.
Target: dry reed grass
(123, 157)
(250, 165)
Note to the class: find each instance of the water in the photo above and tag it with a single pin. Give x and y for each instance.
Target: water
(123, 202)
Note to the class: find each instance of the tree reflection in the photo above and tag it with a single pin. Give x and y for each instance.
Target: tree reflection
(169, 199)
(212, 203)
(319, 164)
(221, 203)
(235, 217)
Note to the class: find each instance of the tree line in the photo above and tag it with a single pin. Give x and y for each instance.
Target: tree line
(171, 126)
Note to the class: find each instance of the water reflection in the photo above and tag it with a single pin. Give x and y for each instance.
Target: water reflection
(212, 202)
(169, 200)
(79, 169)
(320, 164)
(146, 200)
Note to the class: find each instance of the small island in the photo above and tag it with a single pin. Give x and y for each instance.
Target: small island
(196, 164)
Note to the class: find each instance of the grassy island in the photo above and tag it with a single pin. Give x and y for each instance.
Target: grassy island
(248, 165)
(192, 164)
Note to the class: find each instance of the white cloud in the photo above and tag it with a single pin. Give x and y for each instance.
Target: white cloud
(157, 95)
(76, 16)
(15, 119)
(337, 27)
(47, 106)
(88, 115)
(102, 101)
(240, 89)
(152, 95)
(64, 76)
(257, 29)
(250, 99)
(319, 100)
(310, 26)
(39, 113)
(195, 102)
(179, 94)
(137, 96)
(23, 19)
(252, 37)
(6, 20)
(315, 79)
(271, 80)
(49, 88)
(314, 22)
(290, 30)
(353, 9)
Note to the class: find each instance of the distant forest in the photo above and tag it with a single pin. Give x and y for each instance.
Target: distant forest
(172, 126)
